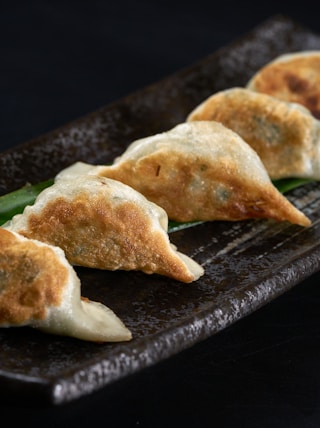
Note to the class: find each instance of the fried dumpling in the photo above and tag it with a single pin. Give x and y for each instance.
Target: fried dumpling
(104, 224)
(40, 289)
(285, 135)
(293, 77)
(198, 171)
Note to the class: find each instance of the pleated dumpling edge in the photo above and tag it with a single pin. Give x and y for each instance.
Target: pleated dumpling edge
(40, 289)
(285, 135)
(104, 224)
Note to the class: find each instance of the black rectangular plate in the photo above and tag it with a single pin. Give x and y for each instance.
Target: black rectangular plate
(247, 264)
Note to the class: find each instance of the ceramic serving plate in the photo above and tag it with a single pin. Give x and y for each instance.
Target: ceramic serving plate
(247, 264)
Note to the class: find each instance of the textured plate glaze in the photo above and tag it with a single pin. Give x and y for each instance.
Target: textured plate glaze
(247, 263)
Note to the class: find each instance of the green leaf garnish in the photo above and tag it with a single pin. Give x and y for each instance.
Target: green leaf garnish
(14, 203)
(286, 184)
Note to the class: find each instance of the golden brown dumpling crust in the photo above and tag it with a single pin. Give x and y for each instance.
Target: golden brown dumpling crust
(90, 231)
(104, 230)
(31, 279)
(292, 77)
(233, 198)
(210, 173)
(285, 137)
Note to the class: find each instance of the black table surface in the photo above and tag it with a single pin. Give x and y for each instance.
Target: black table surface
(61, 60)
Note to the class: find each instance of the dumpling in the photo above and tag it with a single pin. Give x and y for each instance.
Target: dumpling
(40, 289)
(293, 77)
(285, 135)
(104, 224)
(198, 171)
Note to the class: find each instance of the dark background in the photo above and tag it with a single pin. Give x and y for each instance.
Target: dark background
(61, 60)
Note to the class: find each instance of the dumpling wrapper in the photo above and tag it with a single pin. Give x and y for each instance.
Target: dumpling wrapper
(198, 171)
(293, 77)
(40, 289)
(104, 224)
(285, 135)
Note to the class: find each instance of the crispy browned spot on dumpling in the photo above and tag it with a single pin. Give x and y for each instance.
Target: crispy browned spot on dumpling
(285, 135)
(293, 77)
(199, 171)
(39, 288)
(104, 224)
